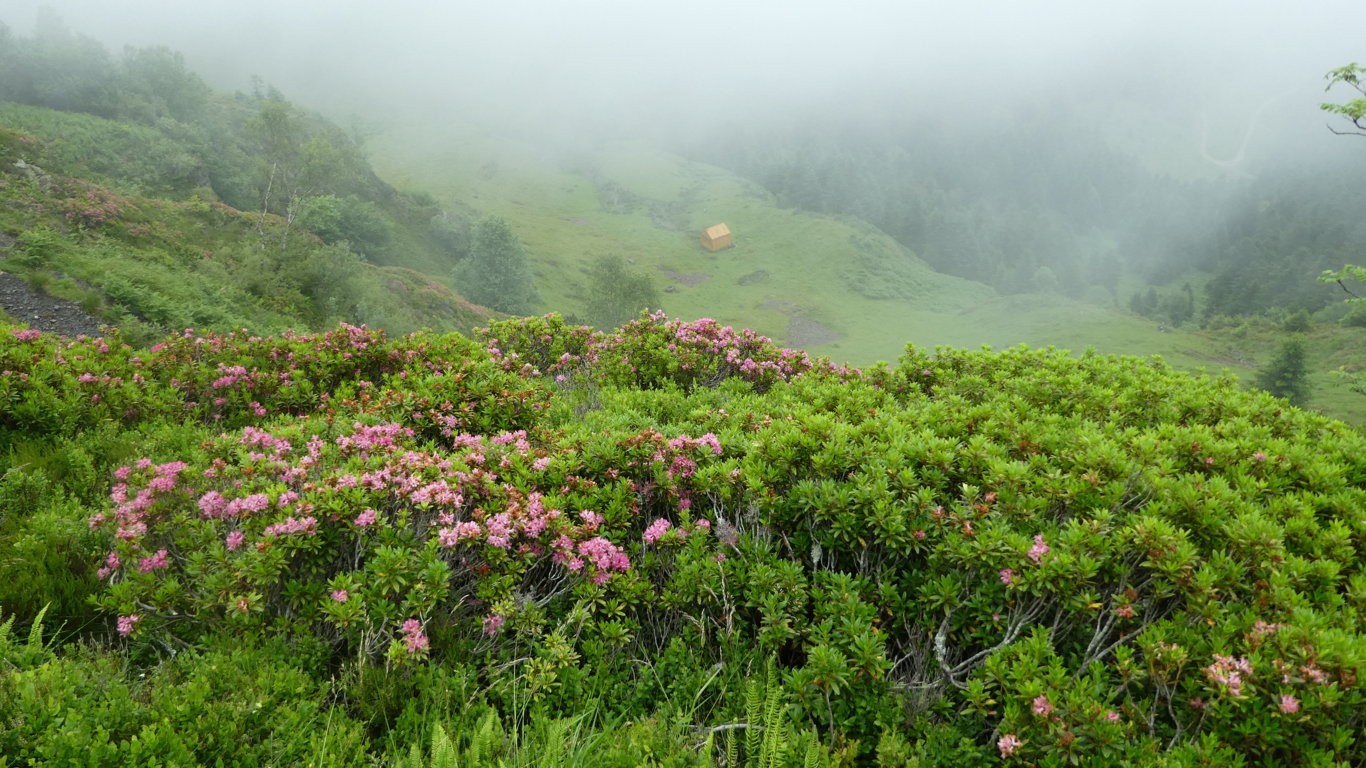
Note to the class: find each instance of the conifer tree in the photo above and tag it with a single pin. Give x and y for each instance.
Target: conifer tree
(1286, 375)
(497, 274)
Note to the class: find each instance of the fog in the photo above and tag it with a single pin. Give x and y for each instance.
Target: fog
(605, 66)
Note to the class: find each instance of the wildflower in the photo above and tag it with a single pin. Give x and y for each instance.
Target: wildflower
(127, 624)
(1289, 704)
(154, 562)
(235, 540)
(366, 519)
(413, 637)
(1007, 576)
(340, 595)
(493, 623)
(1227, 672)
(1042, 706)
(657, 530)
(1008, 744)
(1259, 457)
(305, 525)
(1039, 549)
(1112, 716)
(541, 464)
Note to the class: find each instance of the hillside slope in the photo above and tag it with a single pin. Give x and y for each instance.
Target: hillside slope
(832, 286)
(91, 210)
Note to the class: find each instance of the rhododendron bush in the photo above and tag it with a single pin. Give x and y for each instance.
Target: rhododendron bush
(969, 557)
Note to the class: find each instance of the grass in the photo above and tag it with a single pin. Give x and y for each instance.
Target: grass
(801, 278)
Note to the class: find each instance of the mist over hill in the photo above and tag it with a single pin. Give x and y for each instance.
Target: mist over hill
(278, 500)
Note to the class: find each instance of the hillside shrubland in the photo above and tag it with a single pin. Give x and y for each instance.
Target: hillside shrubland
(676, 544)
(127, 184)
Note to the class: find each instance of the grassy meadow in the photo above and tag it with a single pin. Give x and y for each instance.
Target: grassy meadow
(831, 286)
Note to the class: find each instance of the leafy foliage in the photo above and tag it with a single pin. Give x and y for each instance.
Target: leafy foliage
(497, 273)
(966, 557)
(1354, 110)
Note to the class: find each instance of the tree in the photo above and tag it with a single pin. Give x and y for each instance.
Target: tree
(1286, 375)
(497, 273)
(616, 294)
(1355, 109)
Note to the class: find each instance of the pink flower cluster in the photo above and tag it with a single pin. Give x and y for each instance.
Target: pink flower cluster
(126, 624)
(656, 530)
(291, 525)
(131, 516)
(492, 623)
(1041, 706)
(154, 562)
(605, 557)
(1008, 743)
(111, 564)
(413, 637)
(1228, 672)
(365, 439)
(1037, 552)
(232, 374)
(213, 505)
(462, 531)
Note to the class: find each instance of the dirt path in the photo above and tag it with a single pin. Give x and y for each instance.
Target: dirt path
(42, 312)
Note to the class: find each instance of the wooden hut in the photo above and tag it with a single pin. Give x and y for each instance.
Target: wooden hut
(717, 237)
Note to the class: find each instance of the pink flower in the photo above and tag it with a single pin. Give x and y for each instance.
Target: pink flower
(1008, 744)
(413, 637)
(235, 540)
(1112, 717)
(493, 623)
(1289, 704)
(656, 530)
(304, 525)
(366, 519)
(1228, 673)
(340, 595)
(154, 562)
(127, 624)
(1039, 549)
(1007, 576)
(1042, 706)
(541, 464)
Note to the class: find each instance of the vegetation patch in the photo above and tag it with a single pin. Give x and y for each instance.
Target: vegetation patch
(433, 545)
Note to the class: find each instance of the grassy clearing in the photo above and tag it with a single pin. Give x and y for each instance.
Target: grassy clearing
(803, 279)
